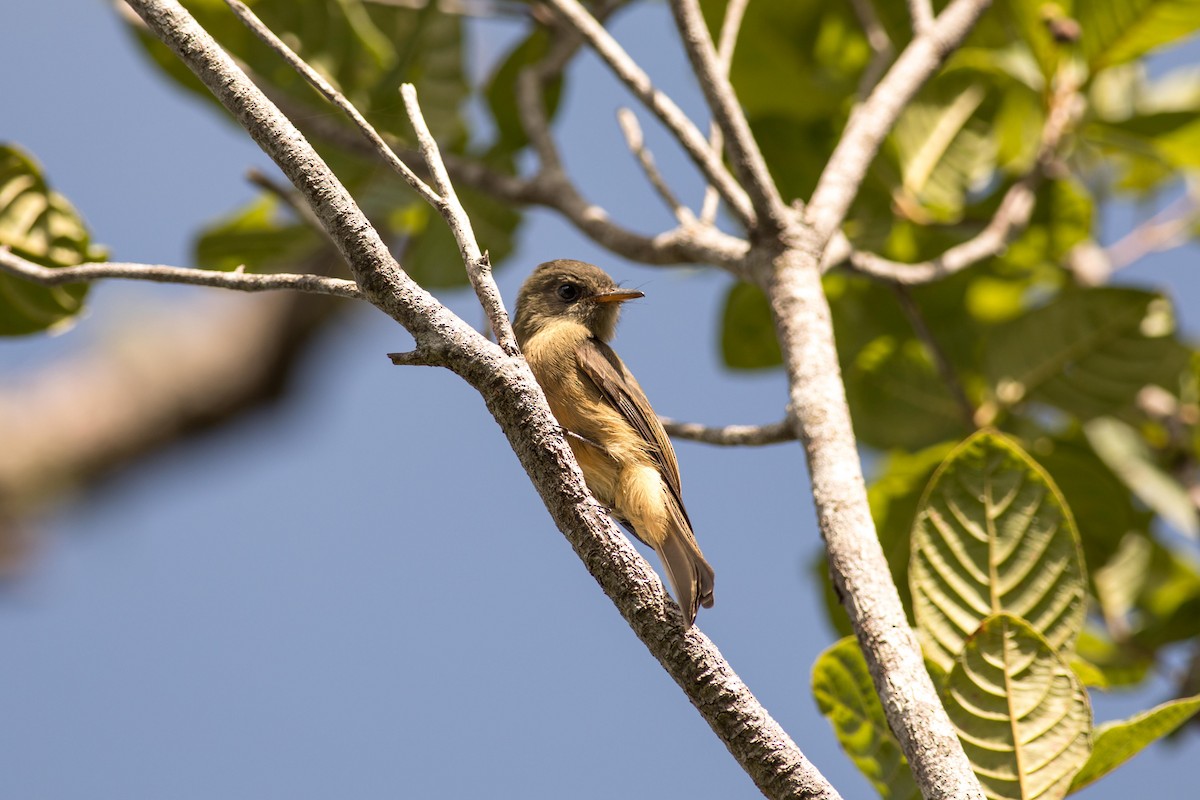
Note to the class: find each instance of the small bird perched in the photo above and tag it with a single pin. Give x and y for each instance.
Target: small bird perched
(566, 313)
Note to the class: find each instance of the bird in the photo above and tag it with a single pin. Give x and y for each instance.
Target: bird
(566, 315)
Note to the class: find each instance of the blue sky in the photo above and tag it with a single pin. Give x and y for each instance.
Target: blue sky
(357, 593)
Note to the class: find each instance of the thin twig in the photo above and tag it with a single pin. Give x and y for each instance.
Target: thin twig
(638, 82)
(637, 145)
(731, 435)
(747, 159)
(1167, 229)
(238, 280)
(871, 121)
(478, 265)
(945, 369)
(731, 25)
(334, 96)
(878, 40)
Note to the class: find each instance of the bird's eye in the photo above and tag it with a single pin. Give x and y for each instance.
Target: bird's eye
(568, 292)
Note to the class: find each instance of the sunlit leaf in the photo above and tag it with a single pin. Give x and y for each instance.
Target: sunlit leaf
(1114, 743)
(1088, 352)
(993, 535)
(846, 696)
(1116, 31)
(39, 225)
(254, 237)
(1022, 716)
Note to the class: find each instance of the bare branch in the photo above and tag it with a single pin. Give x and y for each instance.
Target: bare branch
(289, 197)
(1165, 230)
(870, 122)
(479, 266)
(731, 25)
(732, 435)
(637, 145)
(878, 40)
(921, 12)
(13, 264)
(322, 85)
(635, 78)
(748, 163)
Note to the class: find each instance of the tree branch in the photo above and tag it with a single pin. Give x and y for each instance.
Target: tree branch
(732, 435)
(517, 403)
(637, 145)
(1012, 215)
(748, 163)
(632, 75)
(870, 122)
(921, 12)
(731, 25)
(13, 264)
(878, 40)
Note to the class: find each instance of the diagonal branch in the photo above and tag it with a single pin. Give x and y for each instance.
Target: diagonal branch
(870, 122)
(731, 25)
(748, 163)
(635, 78)
(637, 145)
(13, 264)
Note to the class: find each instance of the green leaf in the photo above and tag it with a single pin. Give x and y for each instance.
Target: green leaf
(1021, 714)
(41, 226)
(1126, 453)
(993, 535)
(1063, 218)
(897, 398)
(1087, 352)
(1118, 666)
(501, 91)
(255, 238)
(748, 339)
(1117, 742)
(846, 696)
(1117, 31)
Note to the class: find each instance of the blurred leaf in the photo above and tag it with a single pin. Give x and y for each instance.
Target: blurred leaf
(432, 258)
(41, 226)
(254, 237)
(846, 696)
(943, 149)
(898, 399)
(501, 91)
(1119, 666)
(1087, 352)
(1027, 18)
(1062, 218)
(1125, 452)
(1117, 742)
(1116, 31)
(1100, 502)
(748, 339)
(993, 535)
(1022, 715)
(1168, 607)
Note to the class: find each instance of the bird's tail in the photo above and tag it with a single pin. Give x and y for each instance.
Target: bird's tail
(690, 575)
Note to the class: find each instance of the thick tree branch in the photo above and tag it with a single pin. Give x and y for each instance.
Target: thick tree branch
(821, 419)
(632, 75)
(732, 435)
(870, 122)
(748, 163)
(13, 264)
(517, 403)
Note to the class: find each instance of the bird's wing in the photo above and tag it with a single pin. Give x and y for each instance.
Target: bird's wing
(602, 365)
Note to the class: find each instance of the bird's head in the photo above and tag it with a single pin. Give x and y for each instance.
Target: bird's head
(571, 290)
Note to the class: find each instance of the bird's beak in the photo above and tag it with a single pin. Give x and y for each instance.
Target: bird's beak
(617, 296)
